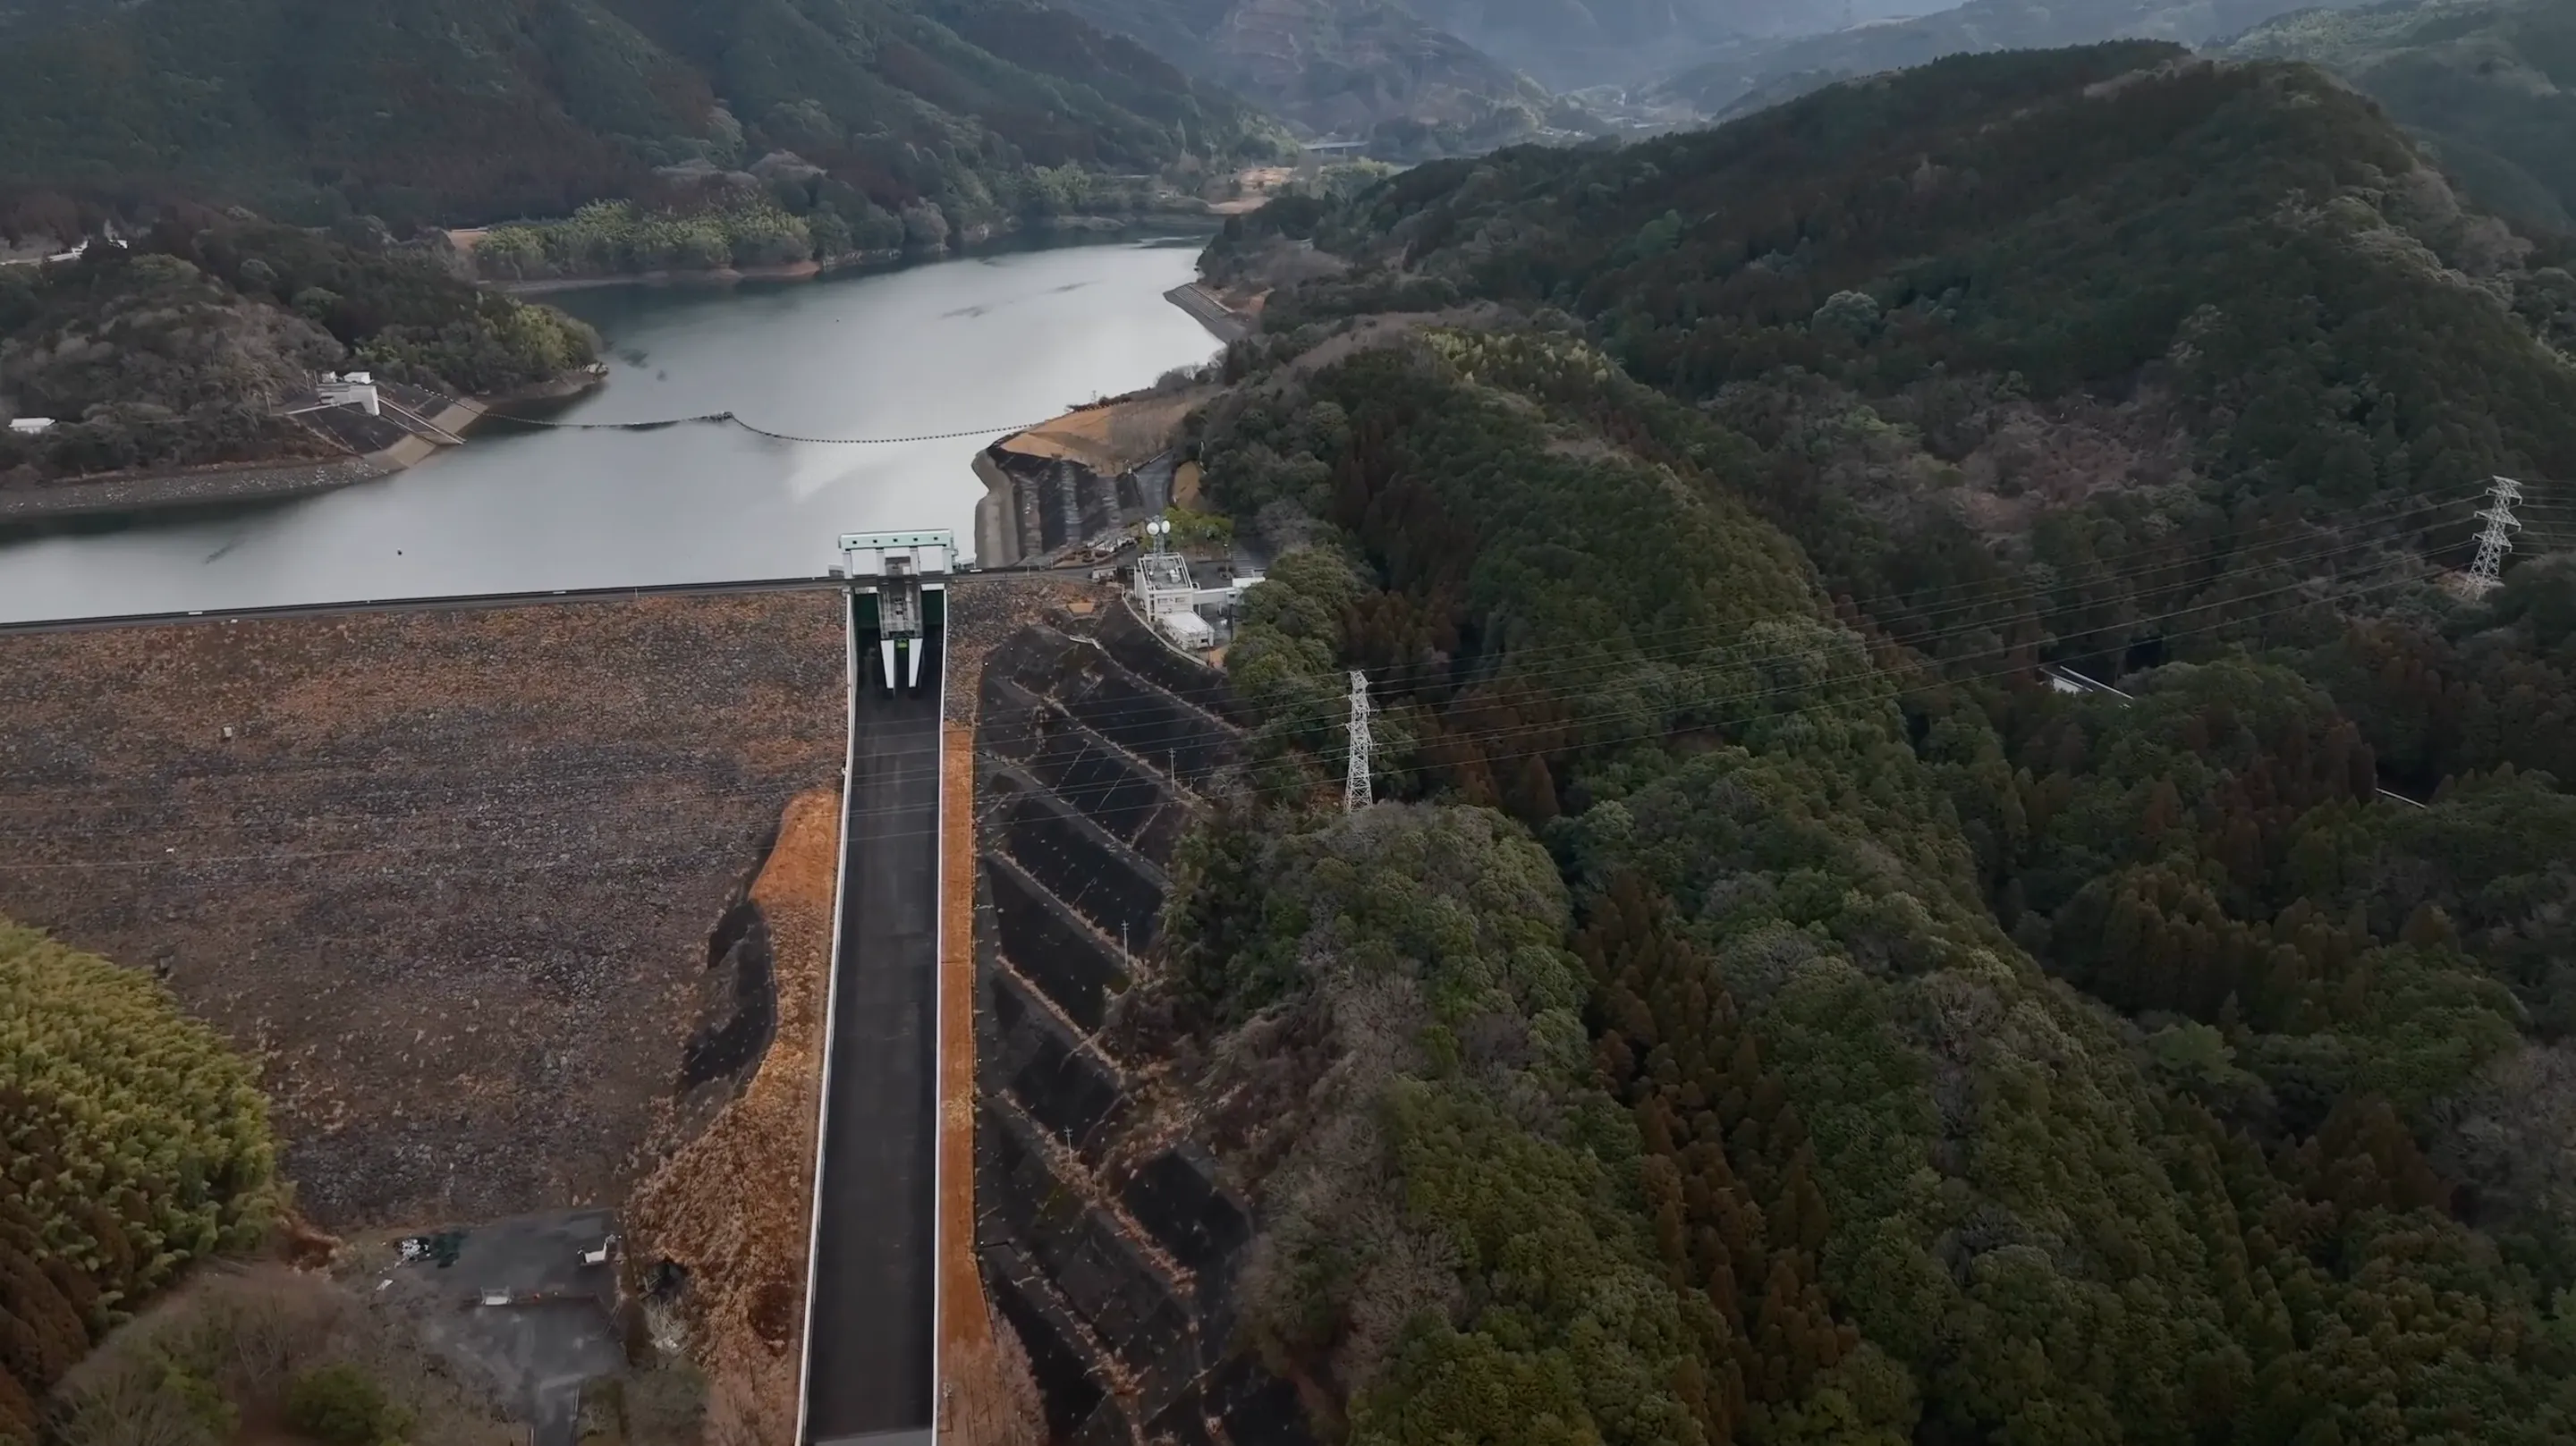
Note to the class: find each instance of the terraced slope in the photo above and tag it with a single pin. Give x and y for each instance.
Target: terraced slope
(1109, 1242)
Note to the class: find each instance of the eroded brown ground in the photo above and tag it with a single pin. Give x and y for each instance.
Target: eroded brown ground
(452, 875)
(734, 1205)
(731, 1204)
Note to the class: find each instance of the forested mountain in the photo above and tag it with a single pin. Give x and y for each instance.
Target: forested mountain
(1769, 1012)
(132, 1142)
(466, 110)
(1781, 67)
(2490, 85)
(1343, 68)
(1574, 43)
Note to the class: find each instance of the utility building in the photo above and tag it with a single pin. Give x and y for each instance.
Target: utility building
(904, 575)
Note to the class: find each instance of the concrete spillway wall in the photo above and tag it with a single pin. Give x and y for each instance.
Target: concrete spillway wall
(1106, 1236)
(1038, 506)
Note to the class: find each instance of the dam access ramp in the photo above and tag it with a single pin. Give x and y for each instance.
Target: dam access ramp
(869, 1370)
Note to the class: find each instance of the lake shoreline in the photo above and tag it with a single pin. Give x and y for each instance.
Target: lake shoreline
(887, 260)
(236, 483)
(244, 483)
(970, 349)
(722, 276)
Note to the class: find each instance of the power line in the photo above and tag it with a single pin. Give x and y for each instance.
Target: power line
(2497, 539)
(1703, 646)
(553, 784)
(1698, 632)
(1072, 795)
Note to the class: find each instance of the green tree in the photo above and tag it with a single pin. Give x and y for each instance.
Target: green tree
(341, 1405)
(131, 1142)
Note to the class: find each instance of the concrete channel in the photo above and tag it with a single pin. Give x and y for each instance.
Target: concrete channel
(871, 1298)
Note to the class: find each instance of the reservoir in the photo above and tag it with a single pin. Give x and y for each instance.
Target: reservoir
(979, 346)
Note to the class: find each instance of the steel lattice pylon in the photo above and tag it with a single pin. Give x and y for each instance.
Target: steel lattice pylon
(2486, 570)
(1356, 793)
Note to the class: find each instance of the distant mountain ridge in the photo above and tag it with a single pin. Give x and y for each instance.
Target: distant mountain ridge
(1575, 43)
(2490, 84)
(1343, 68)
(467, 110)
(1782, 68)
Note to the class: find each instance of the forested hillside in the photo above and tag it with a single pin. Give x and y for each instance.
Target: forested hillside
(1769, 1012)
(176, 351)
(1793, 64)
(1344, 67)
(2491, 84)
(1575, 43)
(132, 1142)
(457, 111)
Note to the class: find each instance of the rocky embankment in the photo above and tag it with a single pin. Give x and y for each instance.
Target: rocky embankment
(1109, 1240)
(449, 874)
(415, 424)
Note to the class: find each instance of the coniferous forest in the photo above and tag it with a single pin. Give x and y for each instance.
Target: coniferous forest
(1762, 1007)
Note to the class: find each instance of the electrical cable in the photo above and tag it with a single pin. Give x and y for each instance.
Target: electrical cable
(1473, 735)
(1331, 714)
(1703, 647)
(2011, 594)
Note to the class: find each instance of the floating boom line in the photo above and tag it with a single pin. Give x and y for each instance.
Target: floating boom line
(729, 419)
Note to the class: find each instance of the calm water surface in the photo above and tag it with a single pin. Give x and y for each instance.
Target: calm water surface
(973, 345)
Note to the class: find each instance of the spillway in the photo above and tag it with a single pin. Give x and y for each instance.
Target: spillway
(870, 1326)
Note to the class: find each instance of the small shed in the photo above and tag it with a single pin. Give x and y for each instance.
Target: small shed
(1187, 628)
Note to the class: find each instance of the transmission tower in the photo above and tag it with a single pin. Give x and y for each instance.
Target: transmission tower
(2486, 570)
(1355, 782)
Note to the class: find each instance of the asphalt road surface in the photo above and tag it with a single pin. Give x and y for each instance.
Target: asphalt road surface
(869, 1363)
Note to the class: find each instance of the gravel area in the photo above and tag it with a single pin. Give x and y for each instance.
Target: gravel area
(451, 874)
(988, 610)
(744, 1248)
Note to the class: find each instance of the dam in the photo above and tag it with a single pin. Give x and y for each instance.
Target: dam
(1005, 1175)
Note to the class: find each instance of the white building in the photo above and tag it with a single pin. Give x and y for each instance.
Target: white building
(1164, 592)
(29, 426)
(350, 389)
(1188, 629)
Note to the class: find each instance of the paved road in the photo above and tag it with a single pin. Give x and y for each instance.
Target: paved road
(869, 1364)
